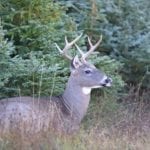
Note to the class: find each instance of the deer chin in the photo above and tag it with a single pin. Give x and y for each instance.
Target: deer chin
(87, 90)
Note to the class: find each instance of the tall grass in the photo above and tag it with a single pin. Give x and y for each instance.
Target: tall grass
(82, 141)
(116, 128)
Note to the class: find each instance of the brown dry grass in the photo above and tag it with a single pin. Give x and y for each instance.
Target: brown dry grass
(82, 141)
(126, 127)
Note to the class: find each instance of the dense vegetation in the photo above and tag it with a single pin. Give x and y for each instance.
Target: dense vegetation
(31, 65)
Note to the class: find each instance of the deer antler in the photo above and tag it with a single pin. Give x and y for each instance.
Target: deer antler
(92, 48)
(68, 46)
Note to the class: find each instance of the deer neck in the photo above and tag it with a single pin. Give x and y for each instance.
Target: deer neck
(75, 100)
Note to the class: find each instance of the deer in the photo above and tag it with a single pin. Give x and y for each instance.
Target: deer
(62, 113)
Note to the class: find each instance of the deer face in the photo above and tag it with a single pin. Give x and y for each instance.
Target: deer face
(83, 73)
(88, 76)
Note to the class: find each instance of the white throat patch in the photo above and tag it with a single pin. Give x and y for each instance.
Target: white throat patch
(86, 90)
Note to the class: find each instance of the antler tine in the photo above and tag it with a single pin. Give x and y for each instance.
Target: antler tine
(68, 46)
(63, 53)
(92, 48)
(80, 51)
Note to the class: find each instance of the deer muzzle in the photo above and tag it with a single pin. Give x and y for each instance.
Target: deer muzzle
(106, 82)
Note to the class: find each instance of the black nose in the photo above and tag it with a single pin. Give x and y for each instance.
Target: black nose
(108, 80)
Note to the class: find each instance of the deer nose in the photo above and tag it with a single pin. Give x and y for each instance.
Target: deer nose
(107, 82)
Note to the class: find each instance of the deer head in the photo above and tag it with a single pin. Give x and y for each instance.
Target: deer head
(83, 73)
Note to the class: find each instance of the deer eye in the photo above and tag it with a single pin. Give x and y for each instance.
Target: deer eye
(87, 71)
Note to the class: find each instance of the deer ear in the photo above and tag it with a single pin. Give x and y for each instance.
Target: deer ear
(75, 63)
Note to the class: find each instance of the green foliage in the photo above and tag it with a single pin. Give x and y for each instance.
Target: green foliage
(125, 27)
(34, 27)
(6, 49)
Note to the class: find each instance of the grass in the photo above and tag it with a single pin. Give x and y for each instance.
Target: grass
(82, 141)
(106, 127)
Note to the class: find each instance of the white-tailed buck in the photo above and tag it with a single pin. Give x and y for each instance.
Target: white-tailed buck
(61, 113)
